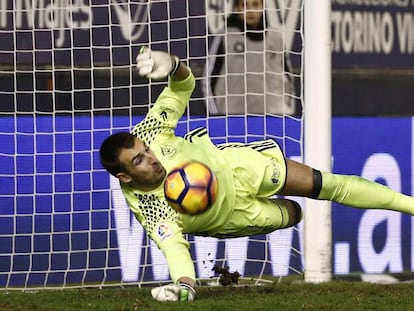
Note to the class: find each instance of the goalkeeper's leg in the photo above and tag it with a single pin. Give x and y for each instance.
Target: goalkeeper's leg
(358, 192)
(349, 190)
(290, 212)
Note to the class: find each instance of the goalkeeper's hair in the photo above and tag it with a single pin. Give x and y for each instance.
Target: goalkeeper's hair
(111, 148)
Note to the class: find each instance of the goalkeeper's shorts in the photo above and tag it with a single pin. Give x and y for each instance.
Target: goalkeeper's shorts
(259, 172)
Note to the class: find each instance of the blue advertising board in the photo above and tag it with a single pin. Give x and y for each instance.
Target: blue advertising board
(379, 149)
(60, 221)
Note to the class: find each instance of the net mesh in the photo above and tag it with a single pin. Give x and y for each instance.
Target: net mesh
(67, 81)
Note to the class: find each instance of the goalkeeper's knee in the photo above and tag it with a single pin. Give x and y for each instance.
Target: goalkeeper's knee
(295, 213)
(291, 212)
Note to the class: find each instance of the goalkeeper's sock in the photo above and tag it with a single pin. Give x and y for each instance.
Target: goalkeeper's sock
(358, 192)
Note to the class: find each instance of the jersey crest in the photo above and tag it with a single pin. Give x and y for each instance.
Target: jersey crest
(167, 151)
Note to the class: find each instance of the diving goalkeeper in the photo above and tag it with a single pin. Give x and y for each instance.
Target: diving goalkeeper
(248, 175)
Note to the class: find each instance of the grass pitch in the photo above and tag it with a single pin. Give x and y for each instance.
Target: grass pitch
(336, 295)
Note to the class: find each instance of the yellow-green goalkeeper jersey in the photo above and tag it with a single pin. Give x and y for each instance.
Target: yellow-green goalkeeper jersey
(163, 224)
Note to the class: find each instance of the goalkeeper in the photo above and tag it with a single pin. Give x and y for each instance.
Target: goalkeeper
(248, 175)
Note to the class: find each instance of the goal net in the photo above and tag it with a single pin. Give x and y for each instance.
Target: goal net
(68, 80)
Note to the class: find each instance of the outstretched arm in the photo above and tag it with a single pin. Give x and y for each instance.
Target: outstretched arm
(173, 100)
(175, 248)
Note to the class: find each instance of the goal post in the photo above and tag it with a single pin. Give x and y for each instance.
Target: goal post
(68, 80)
(317, 73)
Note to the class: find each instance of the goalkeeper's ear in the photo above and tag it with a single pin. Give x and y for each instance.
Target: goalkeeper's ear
(124, 177)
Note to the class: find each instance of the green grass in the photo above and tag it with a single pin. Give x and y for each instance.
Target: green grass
(336, 295)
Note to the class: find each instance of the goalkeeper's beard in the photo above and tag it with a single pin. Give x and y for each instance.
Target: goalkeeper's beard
(153, 178)
(159, 174)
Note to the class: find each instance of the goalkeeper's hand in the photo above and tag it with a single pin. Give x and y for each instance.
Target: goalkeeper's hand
(156, 64)
(173, 292)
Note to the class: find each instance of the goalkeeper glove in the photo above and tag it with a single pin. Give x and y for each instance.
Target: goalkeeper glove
(156, 64)
(173, 292)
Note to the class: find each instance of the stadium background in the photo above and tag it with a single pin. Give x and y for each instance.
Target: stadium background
(372, 136)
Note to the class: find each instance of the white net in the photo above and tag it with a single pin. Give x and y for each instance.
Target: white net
(67, 81)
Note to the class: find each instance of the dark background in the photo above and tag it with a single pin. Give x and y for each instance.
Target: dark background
(363, 84)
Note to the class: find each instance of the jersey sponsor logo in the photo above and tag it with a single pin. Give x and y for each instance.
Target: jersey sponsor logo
(164, 231)
(276, 171)
(168, 151)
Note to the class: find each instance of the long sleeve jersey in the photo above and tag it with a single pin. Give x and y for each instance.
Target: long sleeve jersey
(162, 223)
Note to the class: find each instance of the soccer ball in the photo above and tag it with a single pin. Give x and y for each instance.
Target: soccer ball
(191, 188)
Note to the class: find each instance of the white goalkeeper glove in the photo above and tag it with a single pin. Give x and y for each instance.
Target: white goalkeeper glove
(156, 64)
(173, 292)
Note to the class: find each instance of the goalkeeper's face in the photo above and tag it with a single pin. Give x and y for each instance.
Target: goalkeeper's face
(142, 170)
